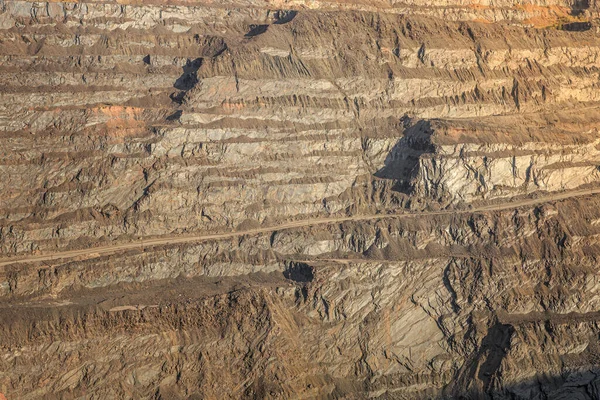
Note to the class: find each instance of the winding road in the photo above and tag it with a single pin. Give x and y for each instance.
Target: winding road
(180, 239)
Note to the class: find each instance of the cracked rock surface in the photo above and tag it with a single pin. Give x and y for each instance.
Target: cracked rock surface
(131, 121)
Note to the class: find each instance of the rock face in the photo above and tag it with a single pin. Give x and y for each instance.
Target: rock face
(299, 199)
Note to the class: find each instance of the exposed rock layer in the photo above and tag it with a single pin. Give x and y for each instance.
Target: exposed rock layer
(120, 122)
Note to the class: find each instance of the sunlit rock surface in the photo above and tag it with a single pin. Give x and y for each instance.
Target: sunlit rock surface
(422, 133)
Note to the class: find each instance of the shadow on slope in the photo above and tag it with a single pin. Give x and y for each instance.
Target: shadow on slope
(401, 164)
(576, 384)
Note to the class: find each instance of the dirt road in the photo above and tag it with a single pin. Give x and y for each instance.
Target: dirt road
(180, 239)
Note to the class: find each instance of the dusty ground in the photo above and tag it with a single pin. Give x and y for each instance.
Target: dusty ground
(302, 200)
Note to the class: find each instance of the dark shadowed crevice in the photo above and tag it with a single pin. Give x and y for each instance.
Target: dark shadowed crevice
(494, 348)
(256, 30)
(187, 80)
(210, 47)
(579, 7)
(401, 164)
(284, 16)
(280, 17)
(299, 272)
(577, 26)
(174, 116)
(476, 378)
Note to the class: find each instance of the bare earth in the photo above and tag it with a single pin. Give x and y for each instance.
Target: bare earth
(299, 200)
(177, 239)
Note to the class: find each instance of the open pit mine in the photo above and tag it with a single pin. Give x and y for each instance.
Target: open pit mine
(300, 199)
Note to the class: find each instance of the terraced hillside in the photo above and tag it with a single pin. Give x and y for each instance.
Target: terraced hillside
(299, 199)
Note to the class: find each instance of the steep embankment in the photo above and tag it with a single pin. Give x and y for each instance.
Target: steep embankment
(176, 123)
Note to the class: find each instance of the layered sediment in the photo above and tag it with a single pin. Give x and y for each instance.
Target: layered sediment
(436, 124)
